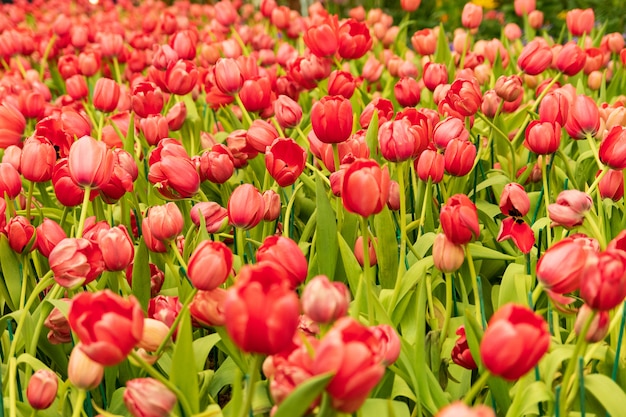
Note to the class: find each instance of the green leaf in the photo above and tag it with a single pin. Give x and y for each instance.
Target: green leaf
(525, 403)
(371, 137)
(442, 54)
(300, 399)
(387, 249)
(202, 347)
(509, 289)
(377, 407)
(141, 275)
(184, 374)
(350, 265)
(11, 284)
(326, 227)
(607, 392)
(482, 252)
(225, 375)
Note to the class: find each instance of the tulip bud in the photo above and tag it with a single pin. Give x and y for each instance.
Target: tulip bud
(598, 328)
(245, 207)
(325, 301)
(42, 389)
(148, 397)
(207, 307)
(570, 208)
(154, 333)
(359, 254)
(83, 372)
(461, 354)
(271, 199)
(210, 265)
(447, 256)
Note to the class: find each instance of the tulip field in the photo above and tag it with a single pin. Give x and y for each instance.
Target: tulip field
(239, 210)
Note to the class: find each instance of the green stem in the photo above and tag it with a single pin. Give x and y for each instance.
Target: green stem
(116, 68)
(240, 243)
(44, 58)
(581, 344)
(29, 198)
(289, 209)
(78, 404)
(178, 256)
(401, 187)
(245, 113)
(366, 269)
(156, 375)
(83, 212)
(477, 387)
(427, 192)
(477, 295)
(253, 372)
(592, 144)
(448, 316)
(100, 126)
(336, 156)
(591, 223)
(605, 170)
(546, 195)
(13, 385)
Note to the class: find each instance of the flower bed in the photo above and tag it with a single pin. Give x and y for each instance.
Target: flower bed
(218, 210)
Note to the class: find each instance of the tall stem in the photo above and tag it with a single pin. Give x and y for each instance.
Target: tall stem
(401, 186)
(83, 212)
(546, 194)
(78, 405)
(253, 372)
(29, 198)
(474, 277)
(477, 387)
(366, 269)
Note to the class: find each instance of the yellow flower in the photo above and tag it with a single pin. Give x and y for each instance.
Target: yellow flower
(487, 4)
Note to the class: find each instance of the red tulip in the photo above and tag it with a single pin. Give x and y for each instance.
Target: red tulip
(285, 253)
(365, 187)
(523, 7)
(146, 99)
(181, 77)
(461, 354)
(570, 208)
(331, 119)
(42, 389)
(515, 340)
(580, 22)
(459, 157)
(561, 267)
(410, 5)
(217, 165)
(147, 397)
(459, 219)
(613, 148)
(535, 57)
(184, 43)
(256, 94)
(125, 173)
(245, 207)
(354, 353)
(154, 128)
(172, 170)
(76, 87)
(210, 265)
(434, 75)
(21, 234)
(612, 185)
(49, 234)
(260, 135)
(321, 38)
(10, 181)
(424, 42)
(261, 311)
(108, 325)
(37, 159)
(354, 39)
(472, 15)
(164, 308)
(358, 251)
(75, 262)
(603, 281)
(12, 125)
(554, 107)
(430, 165)
(518, 230)
(165, 222)
(288, 112)
(542, 138)
(106, 95)
(285, 160)
(228, 76)
(117, 248)
(571, 59)
(341, 83)
(90, 163)
(583, 117)
(514, 201)
(463, 99)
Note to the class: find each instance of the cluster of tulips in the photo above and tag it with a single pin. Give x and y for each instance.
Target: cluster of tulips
(229, 210)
